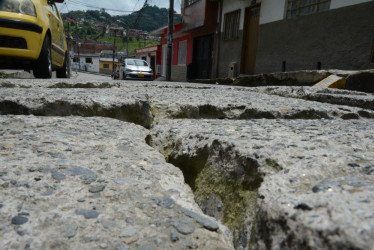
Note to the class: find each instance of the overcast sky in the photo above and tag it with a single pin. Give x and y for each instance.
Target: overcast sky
(122, 5)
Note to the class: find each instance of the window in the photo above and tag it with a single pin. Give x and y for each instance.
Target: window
(75, 59)
(88, 60)
(231, 26)
(305, 7)
(189, 2)
(106, 66)
(136, 62)
(182, 52)
(54, 10)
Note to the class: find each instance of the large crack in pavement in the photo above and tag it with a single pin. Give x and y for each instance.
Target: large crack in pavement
(278, 184)
(225, 183)
(147, 104)
(269, 165)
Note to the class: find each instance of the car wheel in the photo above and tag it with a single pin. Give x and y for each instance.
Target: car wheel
(43, 66)
(64, 71)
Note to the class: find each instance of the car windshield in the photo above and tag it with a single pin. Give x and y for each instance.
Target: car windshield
(136, 62)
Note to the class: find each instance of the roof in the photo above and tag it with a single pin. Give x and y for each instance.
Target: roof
(108, 60)
(147, 49)
(159, 31)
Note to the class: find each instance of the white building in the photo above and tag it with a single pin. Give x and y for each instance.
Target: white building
(87, 62)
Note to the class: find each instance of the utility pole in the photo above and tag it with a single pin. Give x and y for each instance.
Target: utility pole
(127, 34)
(114, 51)
(79, 56)
(170, 41)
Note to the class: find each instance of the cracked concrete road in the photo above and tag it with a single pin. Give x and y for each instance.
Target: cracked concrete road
(152, 165)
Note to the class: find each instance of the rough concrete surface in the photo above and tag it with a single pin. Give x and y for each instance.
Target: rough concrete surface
(293, 184)
(351, 80)
(147, 103)
(333, 96)
(91, 183)
(277, 167)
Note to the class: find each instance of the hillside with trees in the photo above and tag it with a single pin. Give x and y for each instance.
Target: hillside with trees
(149, 18)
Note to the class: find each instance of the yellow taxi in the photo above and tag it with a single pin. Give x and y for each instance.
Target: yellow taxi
(32, 37)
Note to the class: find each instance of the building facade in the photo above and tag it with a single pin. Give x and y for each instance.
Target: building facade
(267, 36)
(148, 54)
(193, 42)
(86, 62)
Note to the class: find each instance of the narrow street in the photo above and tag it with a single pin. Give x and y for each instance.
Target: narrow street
(238, 125)
(81, 76)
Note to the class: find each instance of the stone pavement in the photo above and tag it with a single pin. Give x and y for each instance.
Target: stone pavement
(135, 165)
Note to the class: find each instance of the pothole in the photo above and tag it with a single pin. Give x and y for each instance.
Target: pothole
(225, 184)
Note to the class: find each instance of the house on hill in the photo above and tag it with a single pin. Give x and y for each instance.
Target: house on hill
(86, 54)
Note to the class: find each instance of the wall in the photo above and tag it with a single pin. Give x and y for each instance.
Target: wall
(232, 5)
(339, 39)
(230, 51)
(107, 71)
(178, 73)
(194, 14)
(176, 49)
(342, 3)
(87, 66)
(272, 10)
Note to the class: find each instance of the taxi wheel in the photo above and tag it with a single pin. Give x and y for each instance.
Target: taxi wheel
(64, 71)
(43, 66)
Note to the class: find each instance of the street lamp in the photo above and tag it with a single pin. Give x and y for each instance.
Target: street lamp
(79, 56)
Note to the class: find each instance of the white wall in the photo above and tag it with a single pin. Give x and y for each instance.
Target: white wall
(95, 67)
(272, 10)
(342, 3)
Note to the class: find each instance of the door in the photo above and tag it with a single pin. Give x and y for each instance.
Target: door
(153, 64)
(250, 40)
(202, 56)
(164, 58)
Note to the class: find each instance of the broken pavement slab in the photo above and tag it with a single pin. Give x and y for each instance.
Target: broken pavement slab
(268, 167)
(362, 80)
(139, 200)
(148, 103)
(324, 95)
(279, 183)
(292, 78)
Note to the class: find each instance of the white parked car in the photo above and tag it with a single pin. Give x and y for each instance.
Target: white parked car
(136, 69)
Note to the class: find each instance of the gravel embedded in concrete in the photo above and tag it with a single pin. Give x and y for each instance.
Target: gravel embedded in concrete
(42, 193)
(293, 184)
(148, 103)
(283, 167)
